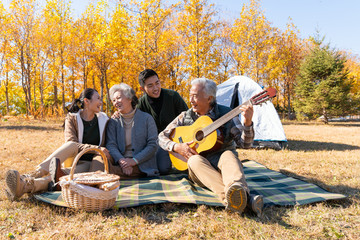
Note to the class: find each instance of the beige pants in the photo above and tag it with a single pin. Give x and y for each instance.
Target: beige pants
(205, 175)
(67, 150)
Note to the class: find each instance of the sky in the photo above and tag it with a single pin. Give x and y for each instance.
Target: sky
(337, 20)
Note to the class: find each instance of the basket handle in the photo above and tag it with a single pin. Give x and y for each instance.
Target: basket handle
(103, 156)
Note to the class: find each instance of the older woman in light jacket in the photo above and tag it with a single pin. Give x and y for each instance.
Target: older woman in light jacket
(131, 136)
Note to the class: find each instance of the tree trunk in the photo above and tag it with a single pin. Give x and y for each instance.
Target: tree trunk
(62, 80)
(102, 90)
(23, 78)
(23, 82)
(28, 82)
(84, 77)
(72, 84)
(55, 96)
(7, 93)
(289, 102)
(41, 88)
(34, 99)
(326, 119)
(107, 94)
(93, 80)
(63, 89)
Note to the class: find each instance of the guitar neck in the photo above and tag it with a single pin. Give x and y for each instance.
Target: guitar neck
(224, 119)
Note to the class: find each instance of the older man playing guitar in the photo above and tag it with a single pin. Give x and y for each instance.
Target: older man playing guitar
(188, 140)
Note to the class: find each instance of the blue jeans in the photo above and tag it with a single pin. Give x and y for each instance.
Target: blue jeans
(163, 161)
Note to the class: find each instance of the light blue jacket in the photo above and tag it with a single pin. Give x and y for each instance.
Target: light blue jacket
(143, 140)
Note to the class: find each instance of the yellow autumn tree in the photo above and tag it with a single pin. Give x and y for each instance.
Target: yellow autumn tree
(92, 50)
(42, 61)
(253, 37)
(102, 53)
(5, 62)
(121, 38)
(153, 39)
(4, 42)
(226, 46)
(83, 37)
(198, 29)
(57, 16)
(74, 79)
(352, 65)
(284, 63)
(21, 26)
(47, 58)
(172, 74)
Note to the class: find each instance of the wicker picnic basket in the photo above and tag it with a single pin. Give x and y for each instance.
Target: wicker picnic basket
(86, 190)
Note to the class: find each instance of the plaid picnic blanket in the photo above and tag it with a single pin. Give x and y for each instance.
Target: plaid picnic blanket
(277, 189)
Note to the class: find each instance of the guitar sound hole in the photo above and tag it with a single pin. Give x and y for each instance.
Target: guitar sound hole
(199, 135)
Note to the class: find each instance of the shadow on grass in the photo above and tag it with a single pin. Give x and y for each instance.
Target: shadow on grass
(153, 213)
(29, 127)
(335, 124)
(307, 146)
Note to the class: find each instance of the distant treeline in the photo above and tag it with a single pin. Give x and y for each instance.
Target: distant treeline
(47, 56)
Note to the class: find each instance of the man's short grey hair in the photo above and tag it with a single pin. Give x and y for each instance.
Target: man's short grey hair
(126, 90)
(209, 86)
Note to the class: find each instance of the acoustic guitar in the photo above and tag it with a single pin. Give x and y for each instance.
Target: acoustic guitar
(203, 131)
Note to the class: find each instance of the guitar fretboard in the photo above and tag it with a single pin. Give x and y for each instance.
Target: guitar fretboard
(224, 119)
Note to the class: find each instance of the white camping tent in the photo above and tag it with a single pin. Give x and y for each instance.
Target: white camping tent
(269, 132)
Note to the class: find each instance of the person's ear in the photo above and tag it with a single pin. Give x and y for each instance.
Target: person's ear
(210, 98)
(86, 101)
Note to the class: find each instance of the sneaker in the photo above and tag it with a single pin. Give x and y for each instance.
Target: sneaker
(55, 173)
(236, 198)
(17, 185)
(256, 204)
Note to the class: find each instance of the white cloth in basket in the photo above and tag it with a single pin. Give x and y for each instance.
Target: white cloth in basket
(90, 192)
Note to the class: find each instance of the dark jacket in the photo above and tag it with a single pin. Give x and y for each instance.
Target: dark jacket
(172, 106)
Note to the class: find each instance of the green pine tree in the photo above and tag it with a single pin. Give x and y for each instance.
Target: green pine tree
(322, 87)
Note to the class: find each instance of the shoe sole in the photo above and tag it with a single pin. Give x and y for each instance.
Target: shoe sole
(257, 205)
(236, 199)
(12, 179)
(9, 195)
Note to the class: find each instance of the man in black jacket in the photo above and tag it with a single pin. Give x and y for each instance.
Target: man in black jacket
(163, 105)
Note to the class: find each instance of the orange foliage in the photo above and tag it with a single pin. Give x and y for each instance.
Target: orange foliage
(47, 56)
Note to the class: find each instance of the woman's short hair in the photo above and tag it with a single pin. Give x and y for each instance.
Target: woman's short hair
(209, 86)
(126, 90)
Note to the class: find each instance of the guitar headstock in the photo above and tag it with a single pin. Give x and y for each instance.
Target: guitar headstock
(263, 96)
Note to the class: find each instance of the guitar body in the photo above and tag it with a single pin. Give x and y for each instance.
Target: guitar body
(184, 134)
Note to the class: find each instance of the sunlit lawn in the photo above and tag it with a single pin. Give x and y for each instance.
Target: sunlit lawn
(328, 155)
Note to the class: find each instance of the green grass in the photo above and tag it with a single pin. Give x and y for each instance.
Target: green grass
(328, 155)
